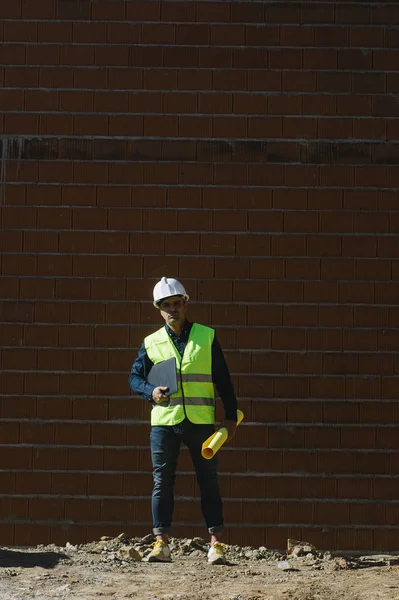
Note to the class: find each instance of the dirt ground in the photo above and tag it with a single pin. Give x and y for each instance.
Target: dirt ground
(115, 569)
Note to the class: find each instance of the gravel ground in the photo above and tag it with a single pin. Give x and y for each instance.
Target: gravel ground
(114, 569)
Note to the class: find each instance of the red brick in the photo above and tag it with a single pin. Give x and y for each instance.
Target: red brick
(22, 31)
(127, 173)
(302, 269)
(71, 241)
(46, 10)
(384, 539)
(366, 514)
(157, 33)
(89, 79)
(369, 128)
(359, 340)
(300, 316)
(212, 11)
(131, 125)
(331, 82)
(40, 335)
(111, 56)
(144, 11)
(298, 81)
(43, 55)
(91, 33)
(385, 15)
(284, 12)
(184, 198)
(370, 316)
(55, 265)
(257, 35)
(288, 512)
(368, 83)
(58, 77)
(286, 105)
(20, 77)
(356, 292)
(283, 58)
(230, 35)
(102, 290)
(116, 195)
(12, 99)
(91, 125)
(356, 60)
(335, 128)
(266, 268)
(365, 246)
(19, 264)
(315, 13)
(108, 11)
(175, 103)
(193, 34)
(228, 80)
(96, 360)
(12, 241)
(336, 269)
(283, 245)
(131, 266)
(288, 339)
(11, 11)
(69, 483)
(373, 35)
(36, 288)
(317, 105)
(263, 81)
(51, 360)
(89, 312)
(68, 289)
(36, 100)
(89, 218)
(365, 200)
(56, 125)
(290, 36)
(285, 291)
(21, 124)
(41, 383)
(329, 513)
(73, 55)
(111, 434)
(371, 222)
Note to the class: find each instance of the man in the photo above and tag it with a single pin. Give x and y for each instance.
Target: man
(186, 416)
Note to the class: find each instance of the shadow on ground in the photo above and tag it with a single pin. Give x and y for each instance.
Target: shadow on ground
(19, 558)
(372, 562)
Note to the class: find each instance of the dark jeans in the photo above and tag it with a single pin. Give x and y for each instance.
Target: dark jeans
(165, 447)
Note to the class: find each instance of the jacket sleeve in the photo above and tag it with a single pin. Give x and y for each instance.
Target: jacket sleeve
(222, 380)
(138, 374)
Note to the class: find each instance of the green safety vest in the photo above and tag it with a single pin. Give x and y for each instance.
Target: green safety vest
(195, 397)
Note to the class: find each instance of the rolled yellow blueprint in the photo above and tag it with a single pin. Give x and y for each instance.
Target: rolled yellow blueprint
(217, 439)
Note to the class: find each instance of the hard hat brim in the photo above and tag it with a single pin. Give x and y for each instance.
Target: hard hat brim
(158, 303)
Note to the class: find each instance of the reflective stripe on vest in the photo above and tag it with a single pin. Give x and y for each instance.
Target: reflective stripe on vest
(195, 397)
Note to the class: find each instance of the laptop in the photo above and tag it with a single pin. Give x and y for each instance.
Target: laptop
(164, 374)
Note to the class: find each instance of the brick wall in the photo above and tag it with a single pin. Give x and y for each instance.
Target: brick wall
(250, 149)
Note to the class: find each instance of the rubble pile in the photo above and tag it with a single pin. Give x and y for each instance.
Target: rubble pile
(124, 551)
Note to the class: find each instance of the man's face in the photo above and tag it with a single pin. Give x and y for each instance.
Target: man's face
(173, 310)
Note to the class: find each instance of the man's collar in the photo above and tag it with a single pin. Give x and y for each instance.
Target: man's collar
(186, 327)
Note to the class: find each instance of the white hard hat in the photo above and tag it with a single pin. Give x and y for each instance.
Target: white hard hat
(168, 287)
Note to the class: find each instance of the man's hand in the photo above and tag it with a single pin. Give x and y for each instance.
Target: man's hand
(158, 394)
(231, 427)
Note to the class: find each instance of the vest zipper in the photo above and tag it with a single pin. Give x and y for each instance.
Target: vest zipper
(181, 386)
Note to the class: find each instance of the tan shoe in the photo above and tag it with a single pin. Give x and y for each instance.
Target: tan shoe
(159, 553)
(216, 554)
